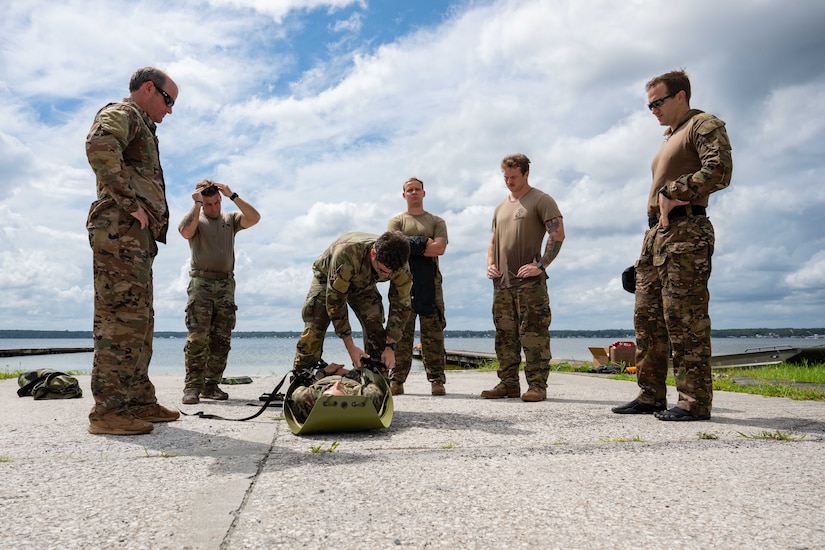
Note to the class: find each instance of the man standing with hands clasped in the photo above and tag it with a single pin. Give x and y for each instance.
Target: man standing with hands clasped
(516, 263)
(210, 310)
(673, 270)
(427, 235)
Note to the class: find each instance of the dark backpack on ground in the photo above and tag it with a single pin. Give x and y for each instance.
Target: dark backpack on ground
(48, 384)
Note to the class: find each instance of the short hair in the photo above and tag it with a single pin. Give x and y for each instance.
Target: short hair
(392, 249)
(147, 74)
(516, 161)
(404, 185)
(674, 81)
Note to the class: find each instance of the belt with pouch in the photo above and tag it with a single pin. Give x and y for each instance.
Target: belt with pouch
(678, 212)
(216, 275)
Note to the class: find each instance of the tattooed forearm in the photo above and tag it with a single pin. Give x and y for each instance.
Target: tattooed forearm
(550, 251)
(555, 229)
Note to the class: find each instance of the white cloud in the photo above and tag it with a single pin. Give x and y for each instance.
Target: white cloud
(320, 139)
(810, 275)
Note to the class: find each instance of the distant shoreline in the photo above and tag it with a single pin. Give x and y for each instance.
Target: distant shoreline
(604, 333)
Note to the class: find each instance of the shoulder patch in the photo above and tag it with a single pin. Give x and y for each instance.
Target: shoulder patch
(115, 122)
(341, 279)
(707, 124)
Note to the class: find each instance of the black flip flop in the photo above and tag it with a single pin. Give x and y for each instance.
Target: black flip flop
(677, 414)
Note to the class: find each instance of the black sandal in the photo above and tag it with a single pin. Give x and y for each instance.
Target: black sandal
(678, 414)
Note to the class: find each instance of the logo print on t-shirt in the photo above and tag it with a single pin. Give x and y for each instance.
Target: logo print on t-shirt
(519, 214)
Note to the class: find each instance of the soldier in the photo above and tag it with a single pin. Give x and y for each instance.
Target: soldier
(674, 267)
(516, 264)
(347, 274)
(210, 310)
(129, 216)
(334, 380)
(427, 235)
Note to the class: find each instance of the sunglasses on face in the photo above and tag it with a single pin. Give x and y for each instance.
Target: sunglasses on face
(656, 103)
(166, 97)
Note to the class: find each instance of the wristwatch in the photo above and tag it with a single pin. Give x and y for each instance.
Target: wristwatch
(392, 345)
(539, 265)
(233, 197)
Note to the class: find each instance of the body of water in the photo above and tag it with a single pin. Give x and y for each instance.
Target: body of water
(265, 356)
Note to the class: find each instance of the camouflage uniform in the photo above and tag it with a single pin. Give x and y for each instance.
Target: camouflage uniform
(122, 149)
(343, 275)
(304, 397)
(211, 308)
(522, 318)
(210, 319)
(521, 306)
(431, 313)
(674, 267)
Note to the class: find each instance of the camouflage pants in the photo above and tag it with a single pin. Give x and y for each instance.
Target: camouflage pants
(671, 313)
(368, 308)
(304, 397)
(123, 325)
(210, 318)
(432, 348)
(522, 319)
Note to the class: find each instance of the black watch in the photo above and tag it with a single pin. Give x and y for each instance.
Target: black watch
(392, 345)
(233, 197)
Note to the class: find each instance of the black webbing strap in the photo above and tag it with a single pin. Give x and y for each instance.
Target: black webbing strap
(272, 398)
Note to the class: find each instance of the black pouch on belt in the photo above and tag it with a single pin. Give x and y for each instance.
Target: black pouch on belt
(629, 279)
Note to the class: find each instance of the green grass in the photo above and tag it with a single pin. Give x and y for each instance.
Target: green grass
(773, 436)
(803, 372)
(769, 381)
(320, 448)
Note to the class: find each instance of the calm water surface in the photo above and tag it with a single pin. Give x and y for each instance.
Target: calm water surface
(264, 356)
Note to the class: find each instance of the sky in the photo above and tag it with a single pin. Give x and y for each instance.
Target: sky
(316, 111)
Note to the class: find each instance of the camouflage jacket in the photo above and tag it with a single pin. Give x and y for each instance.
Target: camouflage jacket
(346, 267)
(693, 162)
(122, 149)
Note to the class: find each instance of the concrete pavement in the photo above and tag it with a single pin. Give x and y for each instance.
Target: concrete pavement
(451, 472)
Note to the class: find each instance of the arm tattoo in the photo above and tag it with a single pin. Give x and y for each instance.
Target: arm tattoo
(551, 250)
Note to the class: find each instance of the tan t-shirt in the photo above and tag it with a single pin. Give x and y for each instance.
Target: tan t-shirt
(519, 227)
(213, 244)
(423, 225)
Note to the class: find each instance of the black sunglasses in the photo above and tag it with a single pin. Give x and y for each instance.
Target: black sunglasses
(655, 104)
(166, 97)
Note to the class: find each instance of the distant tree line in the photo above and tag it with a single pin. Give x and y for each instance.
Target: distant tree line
(606, 333)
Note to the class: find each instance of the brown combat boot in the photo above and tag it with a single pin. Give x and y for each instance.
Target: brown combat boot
(396, 388)
(534, 394)
(190, 396)
(156, 413)
(119, 424)
(438, 388)
(501, 391)
(212, 391)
